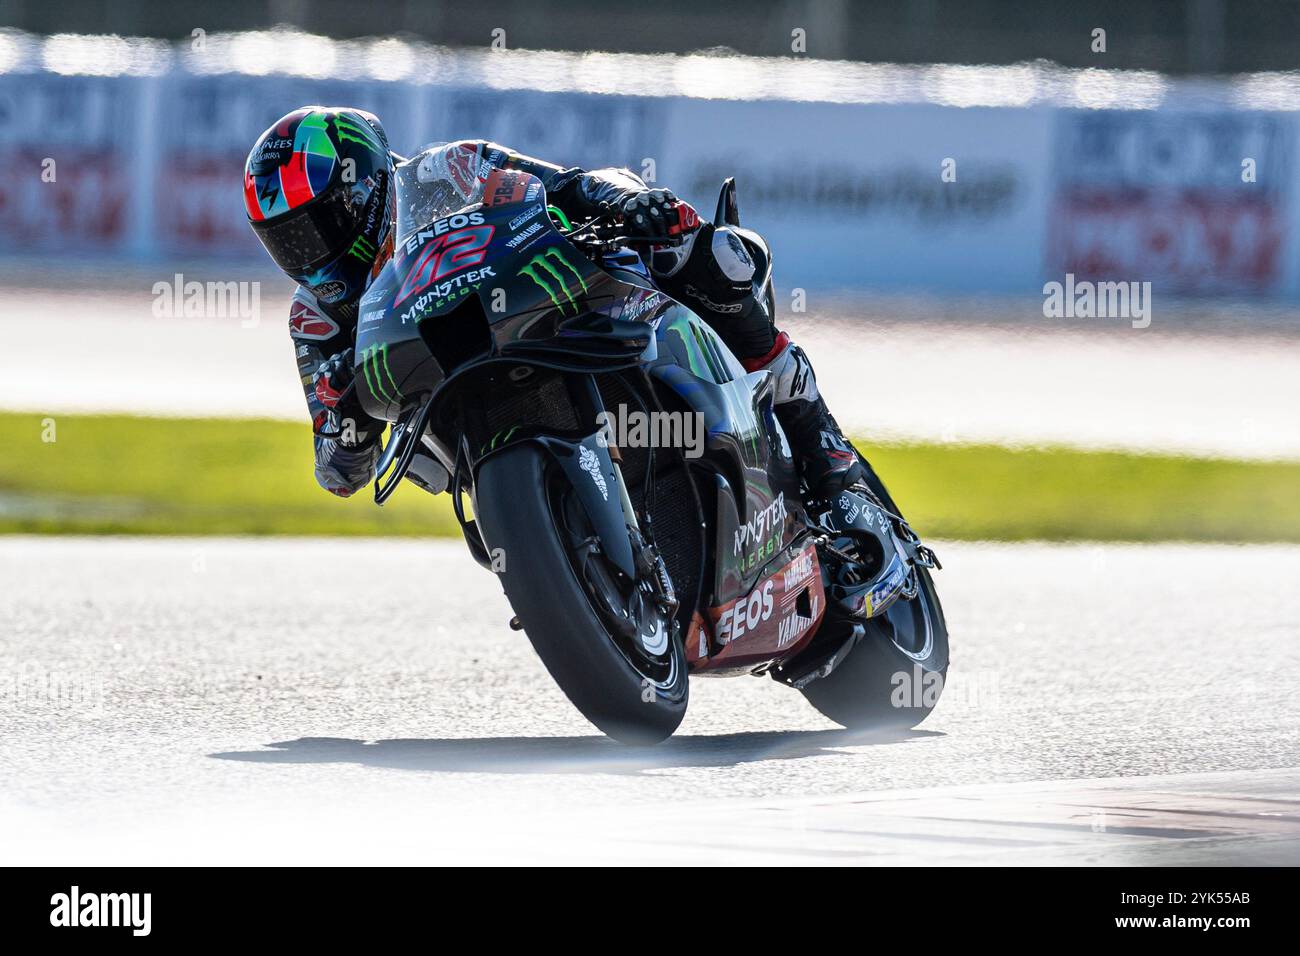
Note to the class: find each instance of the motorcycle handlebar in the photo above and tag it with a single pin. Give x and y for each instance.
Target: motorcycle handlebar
(610, 218)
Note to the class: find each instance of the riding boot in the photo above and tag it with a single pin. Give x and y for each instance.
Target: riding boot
(827, 462)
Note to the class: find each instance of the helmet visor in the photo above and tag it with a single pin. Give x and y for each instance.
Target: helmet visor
(305, 237)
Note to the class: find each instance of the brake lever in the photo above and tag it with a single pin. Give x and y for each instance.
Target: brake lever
(650, 240)
(624, 240)
(609, 218)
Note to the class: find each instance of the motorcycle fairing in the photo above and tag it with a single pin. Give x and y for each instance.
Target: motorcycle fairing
(774, 619)
(492, 281)
(497, 282)
(758, 510)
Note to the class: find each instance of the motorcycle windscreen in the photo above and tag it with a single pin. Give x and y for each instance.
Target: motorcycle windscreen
(434, 183)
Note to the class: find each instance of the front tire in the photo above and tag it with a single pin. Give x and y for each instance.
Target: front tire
(525, 507)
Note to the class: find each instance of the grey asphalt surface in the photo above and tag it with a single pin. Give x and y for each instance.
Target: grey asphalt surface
(225, 700)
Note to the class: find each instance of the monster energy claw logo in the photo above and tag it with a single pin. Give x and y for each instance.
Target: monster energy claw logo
(372, 359)
(362, 248)
(542, 269)
(348, 129)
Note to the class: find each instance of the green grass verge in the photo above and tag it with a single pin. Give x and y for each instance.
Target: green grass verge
(110, 474)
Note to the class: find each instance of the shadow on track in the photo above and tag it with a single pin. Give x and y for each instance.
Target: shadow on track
(568, 754)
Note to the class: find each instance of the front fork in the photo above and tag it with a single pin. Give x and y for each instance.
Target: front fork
(652, 574)
(590, 403)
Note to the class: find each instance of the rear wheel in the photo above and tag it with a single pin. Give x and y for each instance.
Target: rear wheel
(893, 678)
(602, 637)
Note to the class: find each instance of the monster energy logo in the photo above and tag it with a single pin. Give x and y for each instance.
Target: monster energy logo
(707, 347)
(371, 360)
(701, 349)
(541, 270)
(356, 132)
(500, 438)
(703, 354)
(363, 249)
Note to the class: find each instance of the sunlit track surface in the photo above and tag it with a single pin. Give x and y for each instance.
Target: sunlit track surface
(311, 701)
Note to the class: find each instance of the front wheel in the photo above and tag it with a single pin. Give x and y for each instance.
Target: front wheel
(569, 600)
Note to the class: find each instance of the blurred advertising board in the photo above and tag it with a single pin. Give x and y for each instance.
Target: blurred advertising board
(889, 196)
(1192, 202)
(205, 127)
(68, 141)
(874, 195)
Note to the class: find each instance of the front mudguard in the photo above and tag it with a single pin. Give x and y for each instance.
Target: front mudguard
(598, 484)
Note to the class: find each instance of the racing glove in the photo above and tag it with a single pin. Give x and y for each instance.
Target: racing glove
(657, 213)
(334, 385)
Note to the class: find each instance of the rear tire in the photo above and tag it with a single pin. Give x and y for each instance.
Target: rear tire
(520, 505)
(893, 678)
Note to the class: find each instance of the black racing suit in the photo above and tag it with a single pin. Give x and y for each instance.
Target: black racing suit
(711, 272)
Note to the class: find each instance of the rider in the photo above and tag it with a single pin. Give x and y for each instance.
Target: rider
(318, 187)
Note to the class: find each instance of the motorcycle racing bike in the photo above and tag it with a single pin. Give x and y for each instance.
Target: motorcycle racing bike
(497, 340)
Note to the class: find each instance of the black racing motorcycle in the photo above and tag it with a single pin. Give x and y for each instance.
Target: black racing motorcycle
(537, 362)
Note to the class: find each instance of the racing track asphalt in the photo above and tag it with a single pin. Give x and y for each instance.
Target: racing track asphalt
(226, 700)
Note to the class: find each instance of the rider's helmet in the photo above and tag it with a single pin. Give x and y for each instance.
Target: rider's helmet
(318, 188)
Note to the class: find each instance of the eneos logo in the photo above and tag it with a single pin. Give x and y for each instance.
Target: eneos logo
(446, 247)
(745, 614)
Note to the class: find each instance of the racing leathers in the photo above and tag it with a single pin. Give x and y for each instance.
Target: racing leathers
(712, 270)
